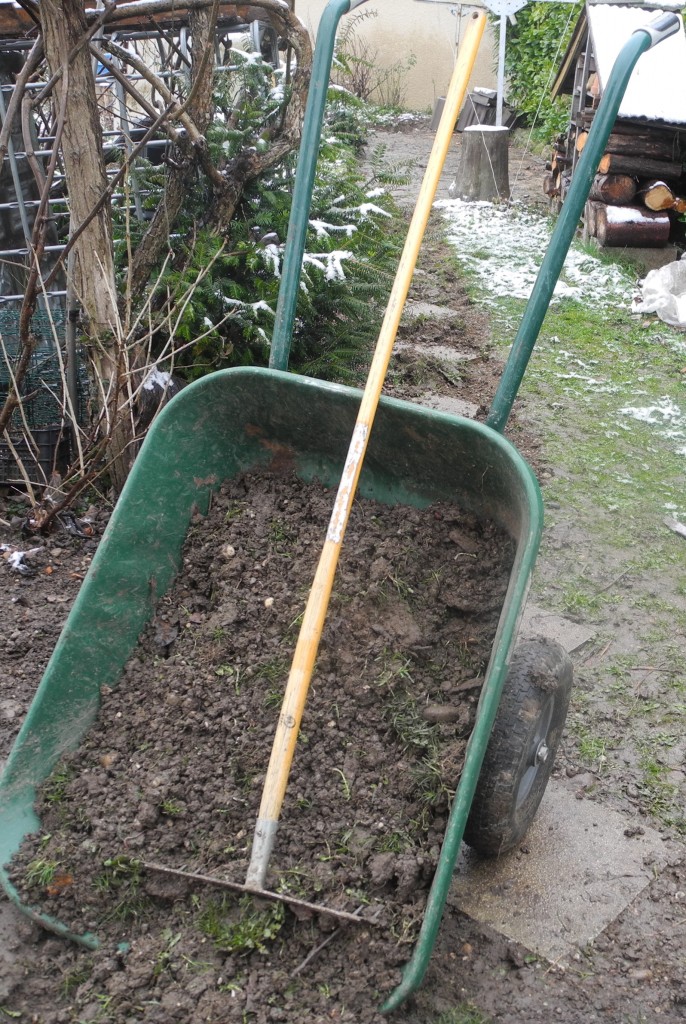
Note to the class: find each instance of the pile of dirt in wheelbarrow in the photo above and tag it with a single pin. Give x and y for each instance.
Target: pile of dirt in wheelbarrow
(172, 771)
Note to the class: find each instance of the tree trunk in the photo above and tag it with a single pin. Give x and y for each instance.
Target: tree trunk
(92, 264)
(182, 171)
(631, 226)
(63, 23)
(483, 170)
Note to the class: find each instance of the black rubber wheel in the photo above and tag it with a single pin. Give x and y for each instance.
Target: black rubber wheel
(521, 751)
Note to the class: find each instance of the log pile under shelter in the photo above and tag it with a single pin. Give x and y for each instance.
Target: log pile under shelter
(638, 196)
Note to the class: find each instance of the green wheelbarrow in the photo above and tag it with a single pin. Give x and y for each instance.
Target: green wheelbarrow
(235, 420)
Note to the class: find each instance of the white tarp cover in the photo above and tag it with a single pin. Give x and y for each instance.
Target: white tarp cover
(657, 89)
(664, 293)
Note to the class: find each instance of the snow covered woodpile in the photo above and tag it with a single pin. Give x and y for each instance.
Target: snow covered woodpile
(638, 196)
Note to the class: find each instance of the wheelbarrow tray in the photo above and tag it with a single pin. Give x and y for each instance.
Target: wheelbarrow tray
(215, 429)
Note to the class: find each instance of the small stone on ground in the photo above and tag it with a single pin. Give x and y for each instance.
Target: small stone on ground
(540, 622)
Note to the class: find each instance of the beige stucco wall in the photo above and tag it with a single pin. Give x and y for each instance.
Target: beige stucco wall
(429, 30)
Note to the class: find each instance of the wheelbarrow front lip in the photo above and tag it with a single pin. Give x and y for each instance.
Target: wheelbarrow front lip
(214, 429)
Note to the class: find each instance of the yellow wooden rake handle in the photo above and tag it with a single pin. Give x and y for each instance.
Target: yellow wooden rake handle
(318, 601)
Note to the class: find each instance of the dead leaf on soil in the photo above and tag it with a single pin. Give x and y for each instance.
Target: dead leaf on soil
(59, 884)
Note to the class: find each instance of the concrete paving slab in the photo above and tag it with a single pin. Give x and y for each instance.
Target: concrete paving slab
(441, 353)
(446, 354)
(539, 622)
(580, 872)
(453, 406)
(430, 310)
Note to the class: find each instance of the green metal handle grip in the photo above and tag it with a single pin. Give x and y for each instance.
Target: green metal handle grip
(304, 181)
(537, 306)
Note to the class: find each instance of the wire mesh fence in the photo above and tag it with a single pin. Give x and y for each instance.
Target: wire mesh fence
(40, 430)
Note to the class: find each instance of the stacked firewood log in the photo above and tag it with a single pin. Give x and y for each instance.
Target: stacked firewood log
(639, 192)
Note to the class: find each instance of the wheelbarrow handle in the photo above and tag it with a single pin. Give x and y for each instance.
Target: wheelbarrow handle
(641, 40)
(304, 181)
(663, 26)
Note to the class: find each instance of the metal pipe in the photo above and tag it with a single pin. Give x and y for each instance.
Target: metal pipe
(25, 252)
(20, 298)
(107, 80)
(30, 203)
(128, 145)
(62, 199)
(15, 175)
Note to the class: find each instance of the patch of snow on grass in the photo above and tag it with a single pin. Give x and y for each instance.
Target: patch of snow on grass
(665, 415)
(573, 368)
(504, 246)
(595, 385)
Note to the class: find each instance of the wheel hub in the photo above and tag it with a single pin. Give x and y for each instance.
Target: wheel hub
(542, 753)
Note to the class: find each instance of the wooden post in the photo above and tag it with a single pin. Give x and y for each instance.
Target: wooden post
(483, 169)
